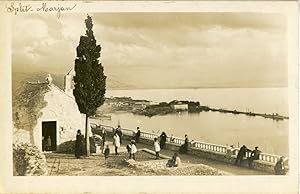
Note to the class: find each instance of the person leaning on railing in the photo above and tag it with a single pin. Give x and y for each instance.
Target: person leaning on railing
(253, 156)
(184, 148)
(241, 154)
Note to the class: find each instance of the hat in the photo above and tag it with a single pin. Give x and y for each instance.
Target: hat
(256, 147)
(132, 141)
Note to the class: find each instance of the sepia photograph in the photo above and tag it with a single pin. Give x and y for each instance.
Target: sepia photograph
(150, 93)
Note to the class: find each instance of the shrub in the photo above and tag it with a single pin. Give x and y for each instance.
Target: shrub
(68, 147)
(28, 160)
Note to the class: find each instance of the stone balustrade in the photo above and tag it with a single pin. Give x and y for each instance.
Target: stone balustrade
(203, 149)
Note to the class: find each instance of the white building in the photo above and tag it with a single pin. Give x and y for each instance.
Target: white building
(181, 106)
(43, 110)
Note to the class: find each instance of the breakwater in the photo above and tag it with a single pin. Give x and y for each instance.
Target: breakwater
(147, 108)
(215, 152)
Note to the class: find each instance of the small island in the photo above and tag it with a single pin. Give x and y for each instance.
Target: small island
(149, 108)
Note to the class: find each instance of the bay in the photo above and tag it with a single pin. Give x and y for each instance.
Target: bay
(213, 127)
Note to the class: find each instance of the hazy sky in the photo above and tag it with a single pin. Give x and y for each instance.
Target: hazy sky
(161, 50)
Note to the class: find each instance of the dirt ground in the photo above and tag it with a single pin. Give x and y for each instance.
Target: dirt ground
(146, 165)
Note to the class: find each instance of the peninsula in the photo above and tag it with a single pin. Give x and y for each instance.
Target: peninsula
(149, 108)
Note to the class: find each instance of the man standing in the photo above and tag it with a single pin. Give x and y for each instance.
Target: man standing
(117, 143)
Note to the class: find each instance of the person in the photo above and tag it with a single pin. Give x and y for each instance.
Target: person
(43, 143)
(106, 151)
(184, 148)
(172, 138)
(156, 148)
(48, 79)
(230, 151)
(133, 150)
(279, 167)
(119, 132)
(79, 144)
(242, 152)
(163, 139)
(117, 143)
(254, 156)
(128, 147)
(174, 162)
(177, 162)
(93, 144)
(103, 135)
(137, 135)
(48, 144)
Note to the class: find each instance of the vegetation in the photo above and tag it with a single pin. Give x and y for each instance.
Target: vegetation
(90, 81)
(28, 160)
(28, 100)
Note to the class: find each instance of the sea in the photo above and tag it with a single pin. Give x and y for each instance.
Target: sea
(269, 135)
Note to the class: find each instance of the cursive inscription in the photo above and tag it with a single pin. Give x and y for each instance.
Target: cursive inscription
(58, 9)
(16, 8)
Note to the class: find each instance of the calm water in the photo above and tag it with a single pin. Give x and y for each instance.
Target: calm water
(271, 136)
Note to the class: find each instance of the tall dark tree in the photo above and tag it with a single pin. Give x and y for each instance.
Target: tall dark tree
(89, 79)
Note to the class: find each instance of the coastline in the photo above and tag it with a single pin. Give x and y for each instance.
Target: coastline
(149, 108)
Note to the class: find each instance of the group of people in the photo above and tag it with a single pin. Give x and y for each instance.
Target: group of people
(160, 143)
(175, 161)
(46, 144)
(279, 168)
(117, 141)
(254, 155)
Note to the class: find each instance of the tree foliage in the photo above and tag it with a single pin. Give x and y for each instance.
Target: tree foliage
(90, 81)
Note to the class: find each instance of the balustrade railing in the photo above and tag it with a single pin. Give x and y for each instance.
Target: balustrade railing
(195, 144)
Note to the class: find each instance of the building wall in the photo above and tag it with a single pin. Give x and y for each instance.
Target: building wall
(62, 109)
(180, 106)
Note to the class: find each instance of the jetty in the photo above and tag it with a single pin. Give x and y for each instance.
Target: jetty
(214, 152)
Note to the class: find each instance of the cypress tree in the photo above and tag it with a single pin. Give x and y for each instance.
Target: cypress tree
(89, 79)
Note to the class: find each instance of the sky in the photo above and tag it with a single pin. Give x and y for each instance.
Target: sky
(161, 50)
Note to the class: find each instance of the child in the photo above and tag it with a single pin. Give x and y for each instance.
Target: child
(156, 148)
(106, 152)
(133, 150)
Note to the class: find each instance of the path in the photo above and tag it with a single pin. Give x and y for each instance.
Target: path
(215, 164)
(66, 164)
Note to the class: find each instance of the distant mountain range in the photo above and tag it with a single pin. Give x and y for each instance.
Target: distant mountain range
(19, 78)
(114, 82)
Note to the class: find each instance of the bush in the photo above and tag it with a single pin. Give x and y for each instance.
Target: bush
(68, 147)
(28, 160)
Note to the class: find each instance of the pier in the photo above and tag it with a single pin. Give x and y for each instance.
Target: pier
(200, 149)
